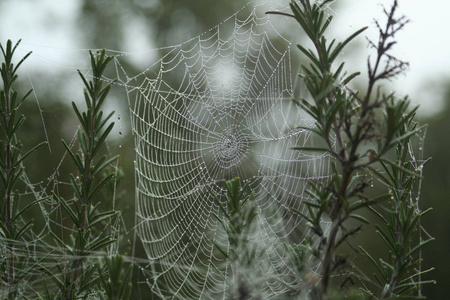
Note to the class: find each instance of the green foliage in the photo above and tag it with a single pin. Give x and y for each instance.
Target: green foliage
(401, 274)
(76, 272)
(115, 280)
(365, 133)
(237, 219)
(13, 228)
(239, 214)
(80, 277)
(349, 125)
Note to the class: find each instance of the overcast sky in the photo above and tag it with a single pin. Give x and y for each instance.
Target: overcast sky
(425, 42)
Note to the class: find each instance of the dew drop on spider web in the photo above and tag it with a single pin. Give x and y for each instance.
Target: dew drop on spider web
(218, 109)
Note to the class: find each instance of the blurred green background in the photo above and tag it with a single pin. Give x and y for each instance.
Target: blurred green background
(58, 32)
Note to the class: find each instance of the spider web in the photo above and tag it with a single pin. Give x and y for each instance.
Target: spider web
(216, 107)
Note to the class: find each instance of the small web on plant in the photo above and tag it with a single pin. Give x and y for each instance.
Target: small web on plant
(40, 248)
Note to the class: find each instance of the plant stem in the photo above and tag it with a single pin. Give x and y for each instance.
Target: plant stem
(91, 137)
(328, 258)
(84, 203)
(9, 198)
(8, 168)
